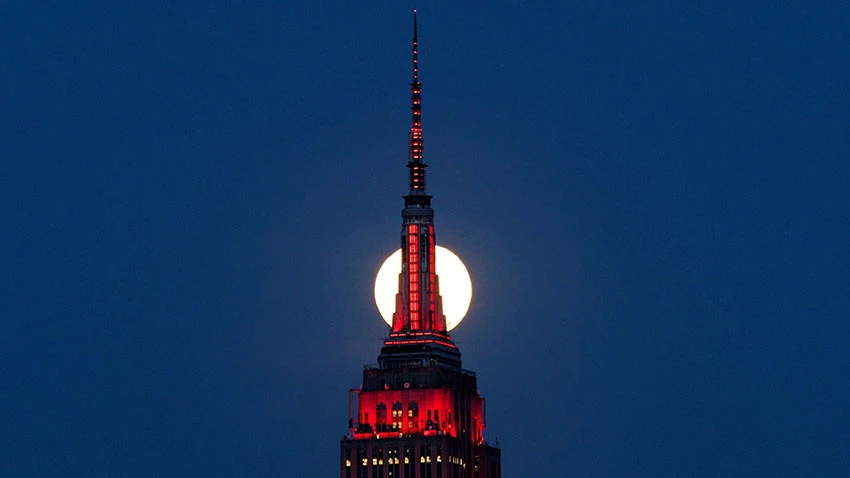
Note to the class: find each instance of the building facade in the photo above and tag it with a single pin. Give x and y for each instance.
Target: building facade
(418, 413)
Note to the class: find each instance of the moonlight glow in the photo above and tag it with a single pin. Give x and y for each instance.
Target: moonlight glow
(455, 286)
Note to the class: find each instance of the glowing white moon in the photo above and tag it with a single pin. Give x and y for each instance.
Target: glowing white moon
(455, 286)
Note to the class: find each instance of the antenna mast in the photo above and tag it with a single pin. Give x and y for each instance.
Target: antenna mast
(417, 167)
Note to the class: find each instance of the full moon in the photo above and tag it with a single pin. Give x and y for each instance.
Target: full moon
(455, 286)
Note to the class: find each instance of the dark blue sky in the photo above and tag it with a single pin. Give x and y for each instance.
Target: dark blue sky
(653, 201)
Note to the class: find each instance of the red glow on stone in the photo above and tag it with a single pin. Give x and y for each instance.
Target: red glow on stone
(411, 411)
(413, 274)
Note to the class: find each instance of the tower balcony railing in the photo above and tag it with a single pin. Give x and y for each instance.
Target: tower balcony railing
(409, 364)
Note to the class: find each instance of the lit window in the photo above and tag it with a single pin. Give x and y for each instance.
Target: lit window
(397, 413)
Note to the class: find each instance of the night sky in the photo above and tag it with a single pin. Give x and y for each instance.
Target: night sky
(653, 201)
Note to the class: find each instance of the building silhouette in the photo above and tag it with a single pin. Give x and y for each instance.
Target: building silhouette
(418, 413)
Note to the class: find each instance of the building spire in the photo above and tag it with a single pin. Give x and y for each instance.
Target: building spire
(419, 307)
(417, 167)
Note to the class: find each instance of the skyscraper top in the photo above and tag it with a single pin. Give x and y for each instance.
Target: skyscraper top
(418, 318)
(418, 413)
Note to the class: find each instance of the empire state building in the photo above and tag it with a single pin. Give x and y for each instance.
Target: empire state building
(418, 413)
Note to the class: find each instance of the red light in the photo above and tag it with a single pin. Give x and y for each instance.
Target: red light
(417, 411)
(413, 275)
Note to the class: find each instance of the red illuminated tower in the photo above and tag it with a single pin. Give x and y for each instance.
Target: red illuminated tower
(418, 413)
